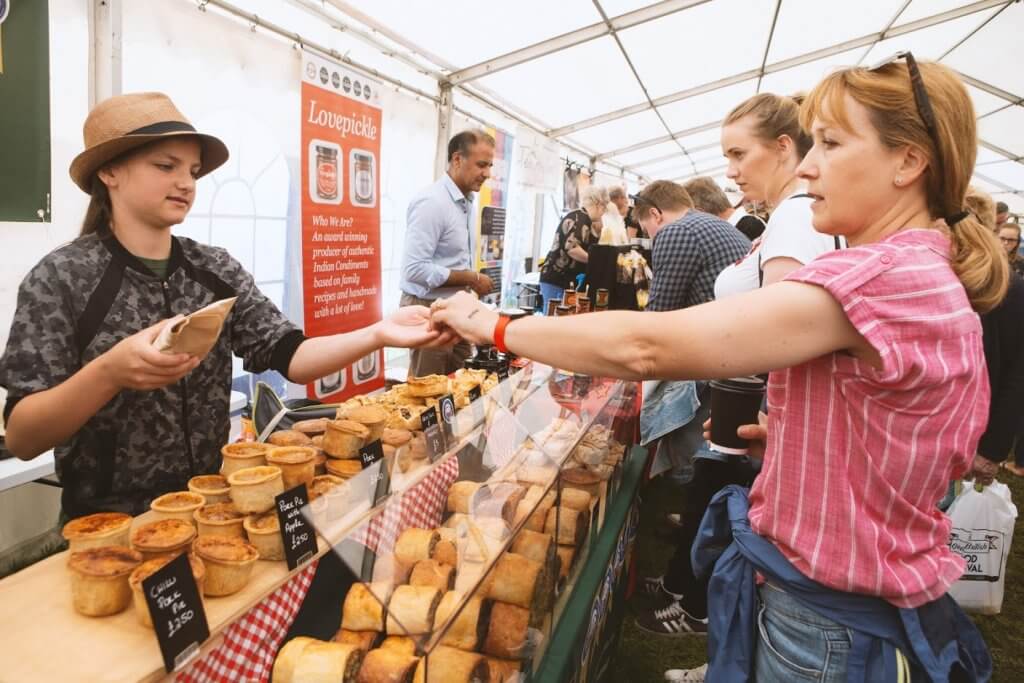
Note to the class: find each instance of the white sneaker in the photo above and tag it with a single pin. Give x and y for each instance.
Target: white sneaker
(687, 675)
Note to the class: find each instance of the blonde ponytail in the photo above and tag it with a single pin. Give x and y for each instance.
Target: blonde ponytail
(979, 261)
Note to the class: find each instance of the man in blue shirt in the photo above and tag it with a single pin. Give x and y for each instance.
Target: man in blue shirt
(438, 257)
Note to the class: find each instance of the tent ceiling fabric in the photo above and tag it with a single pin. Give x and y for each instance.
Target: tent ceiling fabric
(579, 82)
(696, 59)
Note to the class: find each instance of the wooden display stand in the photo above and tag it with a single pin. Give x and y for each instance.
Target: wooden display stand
(46, 640)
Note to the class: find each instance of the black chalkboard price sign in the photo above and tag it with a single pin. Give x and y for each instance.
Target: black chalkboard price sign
(177, 612)
(296, 533)
(446, 408)
(433, 433)
(370, 455)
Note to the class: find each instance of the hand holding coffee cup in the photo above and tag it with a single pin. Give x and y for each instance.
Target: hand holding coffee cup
(735, 404)
(756, 434)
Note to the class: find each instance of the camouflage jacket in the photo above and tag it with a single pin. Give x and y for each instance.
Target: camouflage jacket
(85, 297)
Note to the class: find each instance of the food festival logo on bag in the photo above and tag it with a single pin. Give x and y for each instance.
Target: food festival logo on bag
(977, 548)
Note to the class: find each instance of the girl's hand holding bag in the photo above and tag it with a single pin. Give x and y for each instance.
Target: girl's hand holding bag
(195, 334)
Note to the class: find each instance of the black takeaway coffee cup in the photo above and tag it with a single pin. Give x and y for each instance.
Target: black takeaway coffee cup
(734, 402)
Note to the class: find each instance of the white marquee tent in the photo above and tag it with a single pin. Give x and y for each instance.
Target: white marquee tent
(632, 89)
(639, 88)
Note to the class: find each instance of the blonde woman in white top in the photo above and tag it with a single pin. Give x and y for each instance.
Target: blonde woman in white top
(763, 142)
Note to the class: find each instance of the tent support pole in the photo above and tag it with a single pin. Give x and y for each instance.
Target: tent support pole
(104, 50)
(444, 129)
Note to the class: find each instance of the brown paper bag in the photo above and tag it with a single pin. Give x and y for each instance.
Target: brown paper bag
(195, 334)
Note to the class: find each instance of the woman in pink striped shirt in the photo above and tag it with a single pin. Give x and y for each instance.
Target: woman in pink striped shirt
(884, 394)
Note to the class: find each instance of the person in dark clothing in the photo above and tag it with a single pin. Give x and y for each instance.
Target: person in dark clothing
(1003, 336)
(568, 255)
(1003, 330)
(617, 195)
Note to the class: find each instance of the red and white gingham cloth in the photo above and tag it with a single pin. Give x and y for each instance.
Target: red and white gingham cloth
(250, 644)
(421, 507)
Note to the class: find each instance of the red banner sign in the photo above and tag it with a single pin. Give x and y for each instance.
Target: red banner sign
(341, 277)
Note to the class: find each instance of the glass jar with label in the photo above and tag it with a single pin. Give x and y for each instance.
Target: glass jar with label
(363, 170)
(326, 172)
(366, 367)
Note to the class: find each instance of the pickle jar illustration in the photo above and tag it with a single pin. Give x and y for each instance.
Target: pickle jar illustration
(326, 172)
(363, 180)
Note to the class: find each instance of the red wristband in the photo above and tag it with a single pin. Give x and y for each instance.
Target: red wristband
(499, 333)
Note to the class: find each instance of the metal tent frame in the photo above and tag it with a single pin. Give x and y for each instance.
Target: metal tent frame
(460, 85)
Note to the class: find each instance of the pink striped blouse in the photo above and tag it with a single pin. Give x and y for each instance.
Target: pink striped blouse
(857, 458)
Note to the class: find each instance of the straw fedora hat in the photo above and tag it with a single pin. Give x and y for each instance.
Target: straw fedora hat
(122, 123)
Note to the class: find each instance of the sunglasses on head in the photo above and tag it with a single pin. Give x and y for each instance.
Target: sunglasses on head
(921, 99)
(640, 199)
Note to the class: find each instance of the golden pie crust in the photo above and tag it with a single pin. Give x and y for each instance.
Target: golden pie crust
(428, 386)
(220, 519)
(344, 469)
(264, 533)
(253, 489)
(407, 417)
(288, 657)
(327, 497)
(229, 563)
(372, 417)
(213, 487)
(322, 484)
(238, 456)
(289, 437)
(583, 480)
(297, 464)
(98, 530)
(344, 438)
(396, 437)
(99, 579)
(163, 538)
(177, 505)
(147, 569)
(311, 427)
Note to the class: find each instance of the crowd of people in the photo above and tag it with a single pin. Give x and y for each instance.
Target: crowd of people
(884, 304)
(882, 299)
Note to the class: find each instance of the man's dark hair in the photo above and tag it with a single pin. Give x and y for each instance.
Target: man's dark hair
(464, 141)
(1001, 207)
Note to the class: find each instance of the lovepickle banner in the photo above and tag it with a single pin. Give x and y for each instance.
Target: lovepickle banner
(341, 272)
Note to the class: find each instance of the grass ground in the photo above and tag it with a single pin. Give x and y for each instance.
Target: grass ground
(643, 658)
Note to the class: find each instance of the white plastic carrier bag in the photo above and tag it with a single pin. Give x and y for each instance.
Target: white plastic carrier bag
(981, 534)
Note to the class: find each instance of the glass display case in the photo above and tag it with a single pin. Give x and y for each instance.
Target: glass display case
(465, 541)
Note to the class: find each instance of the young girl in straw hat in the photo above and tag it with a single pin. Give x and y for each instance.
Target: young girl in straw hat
(128, 422)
